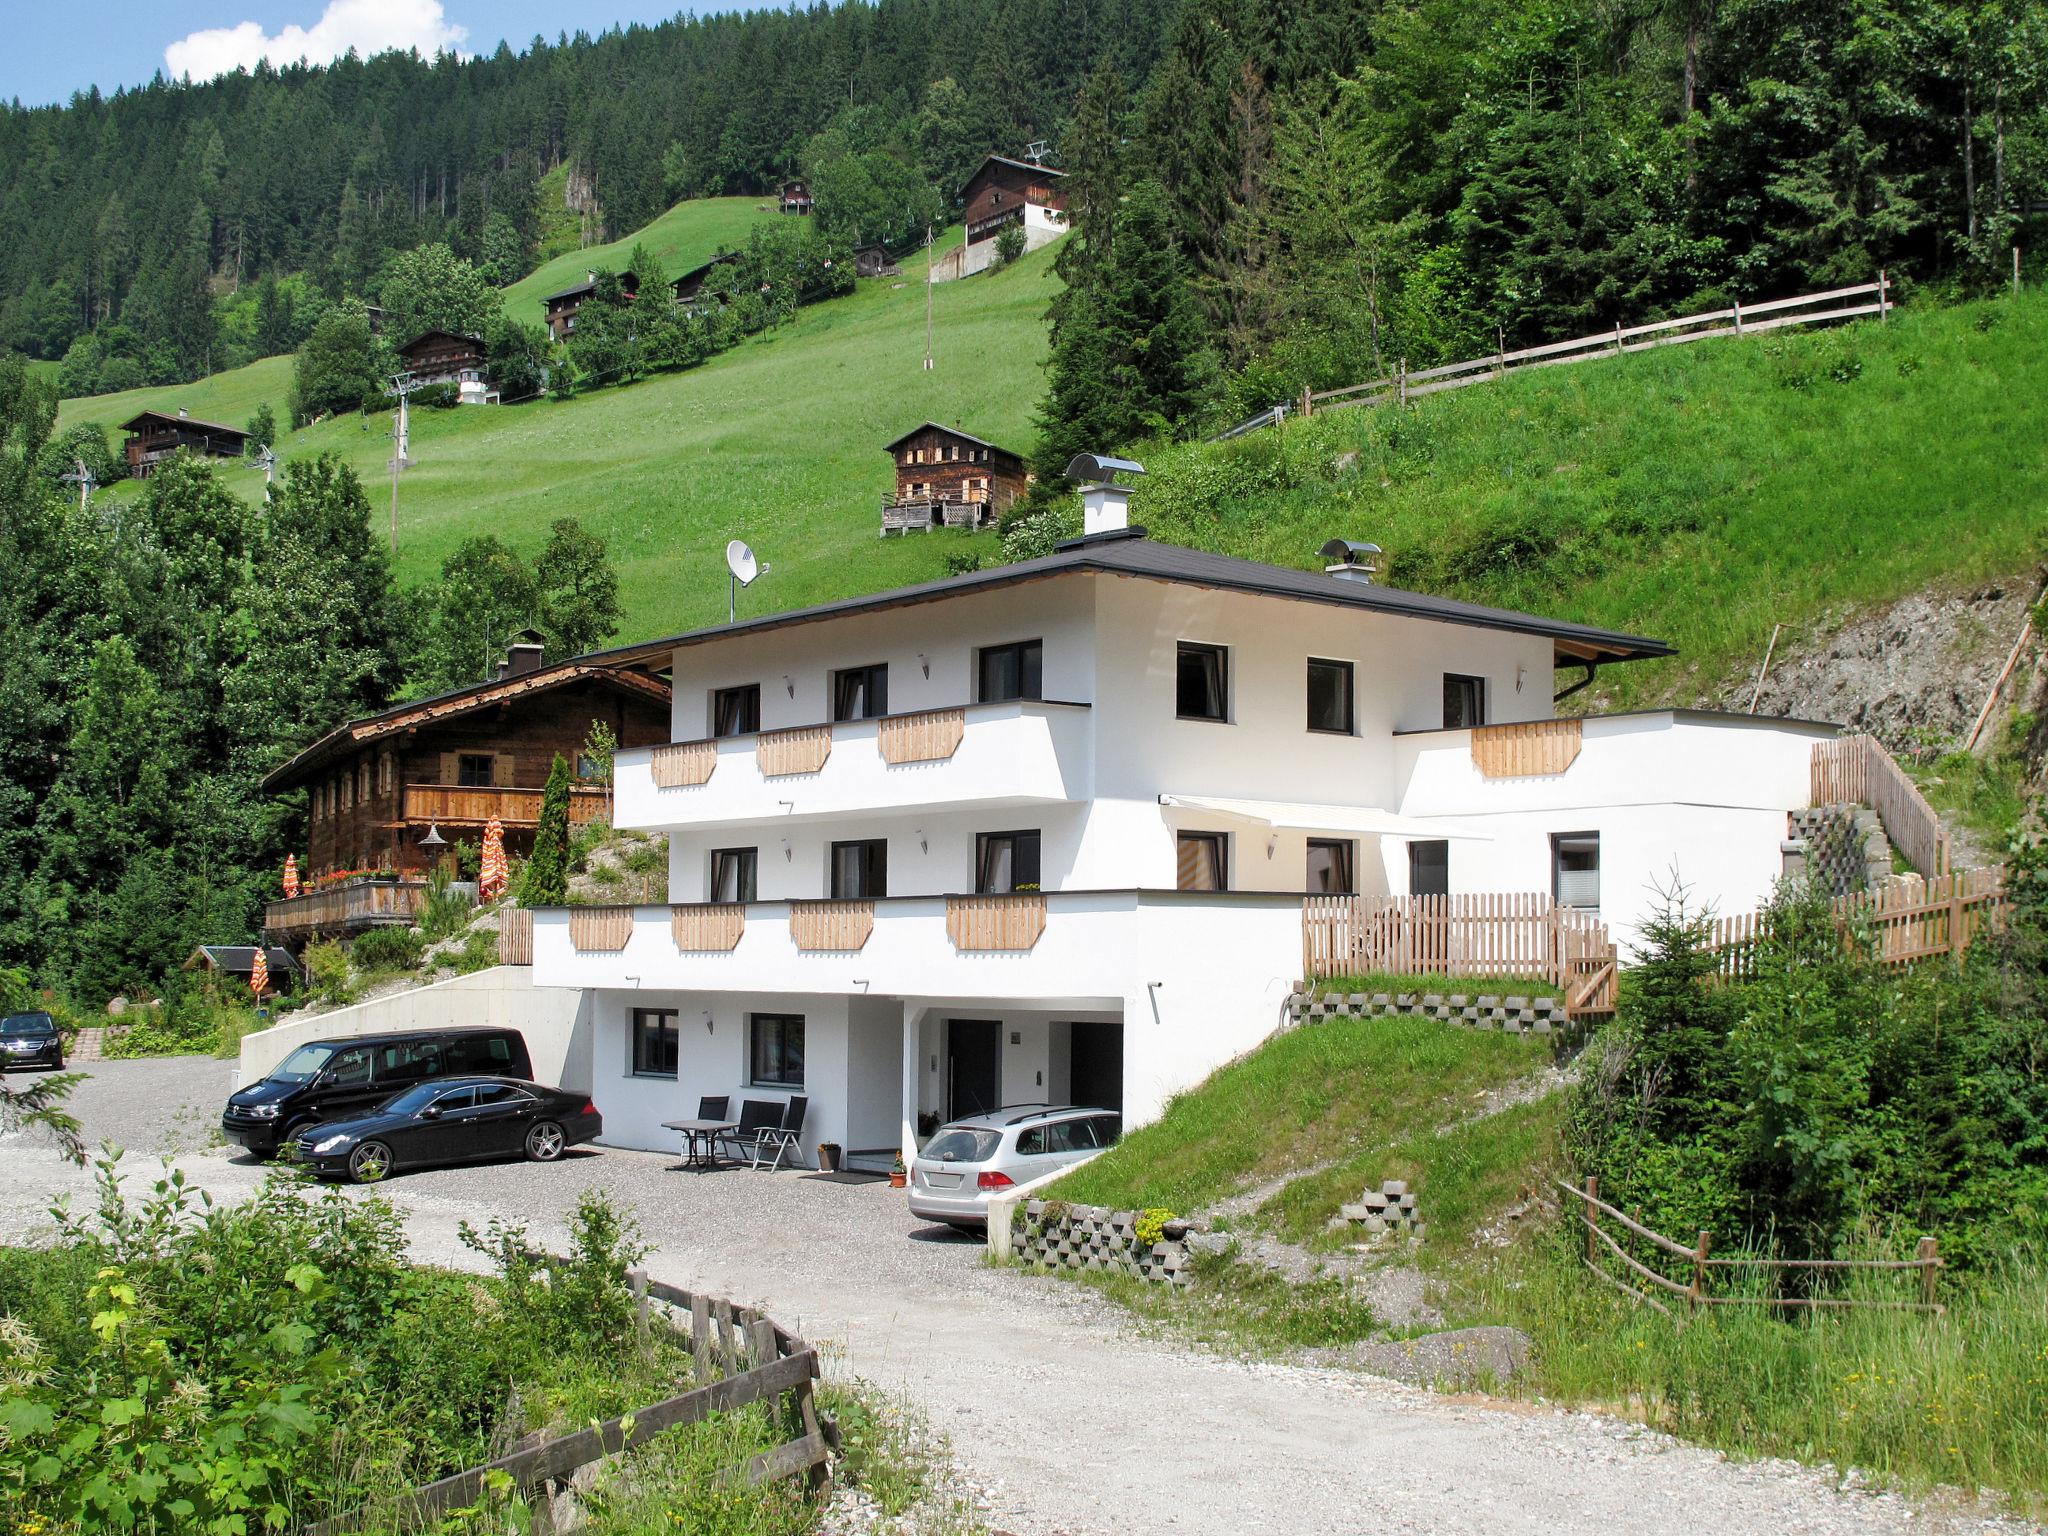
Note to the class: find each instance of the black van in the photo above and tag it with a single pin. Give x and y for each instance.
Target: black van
(344, 1079)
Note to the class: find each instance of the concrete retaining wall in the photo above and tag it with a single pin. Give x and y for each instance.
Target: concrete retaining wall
(1063, 1236)
(1841, 849)
(1474, 1010)
(554, 1020)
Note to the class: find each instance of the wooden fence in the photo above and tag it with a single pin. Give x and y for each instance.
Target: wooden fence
(743, 1357)
(1595, 1214)
(1739, 319)
(1508, 933)
(1857, 770)
(515, 936)
(352, 905)
(1905, 921)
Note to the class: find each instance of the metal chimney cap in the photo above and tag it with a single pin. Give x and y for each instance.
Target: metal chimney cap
(1351, 551)
(1101, 467)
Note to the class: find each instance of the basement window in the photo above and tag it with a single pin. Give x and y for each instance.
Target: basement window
(1575, 861)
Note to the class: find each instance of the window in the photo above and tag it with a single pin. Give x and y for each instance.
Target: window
(1464, 702)
(1575, 862)
(1329, 696)
(473, 770)
(656, 1048)
(479, 1053)
(860, 693)
(860, 870)
(451, 1099)
(1011, 672)
(1429, 868)
(776, 1050)
(1201, 865)
(499, 1093)
(1005, 861)
(732, 873)
(349, 1068)
(586, 767)
(407, 1061)
(1331, 865)
(1199, 681)
(736, 711)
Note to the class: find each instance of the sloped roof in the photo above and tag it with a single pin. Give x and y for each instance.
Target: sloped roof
(627, 280)
(1129, 553)
(447, 706)
(1022, 165)
(135, 423)
(965, 437)
(240, 959)
(426, 336)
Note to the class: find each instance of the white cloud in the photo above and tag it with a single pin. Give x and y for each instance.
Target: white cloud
(367, 26)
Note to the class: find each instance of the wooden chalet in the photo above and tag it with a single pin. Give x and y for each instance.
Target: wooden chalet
(443, 357)
(946, 478)
(874, 261)
(1002, 191)
(560, 309)
(689, 288)
(154, 436)
(795, 198)
(375, 787)
(238, 962)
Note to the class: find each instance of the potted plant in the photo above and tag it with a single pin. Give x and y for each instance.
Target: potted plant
(898, 1174)
(828, 1157)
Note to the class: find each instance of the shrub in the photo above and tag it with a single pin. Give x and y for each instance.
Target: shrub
(329, 976)
(1009, 244)
(388, 949)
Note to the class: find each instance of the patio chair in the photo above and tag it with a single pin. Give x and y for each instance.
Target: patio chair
(756, 1116)
(786, 1138)
(712, 1106)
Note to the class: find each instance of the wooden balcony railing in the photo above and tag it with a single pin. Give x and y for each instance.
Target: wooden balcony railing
(831, 925)
(343, 908)
(799, 750)
(1857, 770)
(463, 805)
(992, 924)
(1526, 749)
(931, 736)
(681, 764)
(604, 930)
(515, 936)
(707, 927)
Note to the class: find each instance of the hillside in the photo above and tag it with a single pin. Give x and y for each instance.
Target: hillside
(777, 441)
(686, 235)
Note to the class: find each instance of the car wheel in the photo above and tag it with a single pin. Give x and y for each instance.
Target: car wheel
(369, 1162)
(544, 1142)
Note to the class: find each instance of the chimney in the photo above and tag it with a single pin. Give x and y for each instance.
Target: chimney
(1105, 505)
(522, 657)
(183, 414)
(1351, 561)
(590, 274)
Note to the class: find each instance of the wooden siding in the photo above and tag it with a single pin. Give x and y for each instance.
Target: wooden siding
(452, 805)
(800, 750)
(601, 929)
(515, 936)
(975, 474)
(679, 764)
(997, 192)
(831, 925)
(930, 737)
(1527, 750)
(989, 924)
(346, 908)
(707, 927)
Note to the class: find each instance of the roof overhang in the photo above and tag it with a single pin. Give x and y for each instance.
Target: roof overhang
(1299, 816)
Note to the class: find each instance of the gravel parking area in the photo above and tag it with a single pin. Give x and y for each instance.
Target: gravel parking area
(1065, 1419)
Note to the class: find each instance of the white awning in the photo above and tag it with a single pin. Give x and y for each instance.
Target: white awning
(1359, 820)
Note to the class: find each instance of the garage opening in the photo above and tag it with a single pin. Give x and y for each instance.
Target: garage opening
(973, 1067)
(1096, 1070)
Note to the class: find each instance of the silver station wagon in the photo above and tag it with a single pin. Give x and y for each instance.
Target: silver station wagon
(969, 1160)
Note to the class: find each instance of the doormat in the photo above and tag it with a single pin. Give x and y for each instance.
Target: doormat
(847, 1176)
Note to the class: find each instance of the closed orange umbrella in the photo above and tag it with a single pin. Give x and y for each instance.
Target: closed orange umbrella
(291, 876)
(259, 973)
(491, 876)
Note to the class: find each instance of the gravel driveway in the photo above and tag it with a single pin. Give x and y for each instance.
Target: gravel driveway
(1064, 1418)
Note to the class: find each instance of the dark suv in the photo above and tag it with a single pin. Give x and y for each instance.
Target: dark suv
(30, 1040)
(346, 1079)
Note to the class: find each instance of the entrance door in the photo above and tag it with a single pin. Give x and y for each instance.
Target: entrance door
(973, 1075)
(1096, 1066)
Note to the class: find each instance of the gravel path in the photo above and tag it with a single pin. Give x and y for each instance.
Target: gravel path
(1065, 1419)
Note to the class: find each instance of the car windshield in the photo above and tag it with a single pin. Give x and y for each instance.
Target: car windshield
(413, 1100)
(28, 1024)
(958, 1144)
(303, 1064)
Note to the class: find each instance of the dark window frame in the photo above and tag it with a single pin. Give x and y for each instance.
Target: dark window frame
(1559, 843)
(1221, 843)
(879, 846)
(781, 1023)
(1429, 842)
(874, 696)
(747, 697)
(1471, 687)
(1019, 838)
(1347, 864)
(1350, 696)
(1025, 664)
(749, 883)
(1220, 654)
(646, 1026)
(464, 762)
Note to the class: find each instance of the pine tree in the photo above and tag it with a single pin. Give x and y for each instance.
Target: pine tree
(546, 882)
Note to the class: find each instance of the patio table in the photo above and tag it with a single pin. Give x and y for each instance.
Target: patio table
(700, 1139)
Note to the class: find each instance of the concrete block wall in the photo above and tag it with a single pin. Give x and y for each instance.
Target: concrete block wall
(1841, 849)
(1062, 1236)
(1474, 1010)
(1389, 1210)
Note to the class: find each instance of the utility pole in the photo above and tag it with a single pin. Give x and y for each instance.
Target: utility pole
(399, 435)
(927, 298)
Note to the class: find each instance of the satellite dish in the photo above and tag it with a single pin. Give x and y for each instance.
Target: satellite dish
(739, 559)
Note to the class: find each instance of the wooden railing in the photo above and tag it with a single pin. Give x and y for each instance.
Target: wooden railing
(802, 749)
(1739, 319)
(679, 764)
(1905, 921)
(515, 936)
(831, 925)
(339, 908)
(707, 927)
(1857, 770)
(931, 736)
(740, 1356)
(1595, 1214)
(1527, 749)
(602, 929)
(461, 804)
(989, 924)
(1505, 933)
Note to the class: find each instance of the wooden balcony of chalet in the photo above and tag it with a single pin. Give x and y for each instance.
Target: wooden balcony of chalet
(920, 514)
(350, 907)
(465, 806)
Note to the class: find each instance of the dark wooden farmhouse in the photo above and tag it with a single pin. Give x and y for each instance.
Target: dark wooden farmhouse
(946, 478)
(796, 197)
(154, 436)
(560, 308)
(376, 787)
(443, 357)
(874, 261)
(1004, 192)
(238, 963)
(689, 288)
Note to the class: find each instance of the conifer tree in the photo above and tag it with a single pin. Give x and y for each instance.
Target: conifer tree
(546, 883)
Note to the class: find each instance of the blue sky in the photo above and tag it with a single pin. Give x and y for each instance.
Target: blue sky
(49, 55)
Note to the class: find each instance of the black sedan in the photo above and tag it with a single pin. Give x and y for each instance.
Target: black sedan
(450, 1120)
(30, 1040)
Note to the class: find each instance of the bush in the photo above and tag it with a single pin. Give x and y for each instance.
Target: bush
(1009, 244)
(329, 976)
(387, 949)
(437, 397)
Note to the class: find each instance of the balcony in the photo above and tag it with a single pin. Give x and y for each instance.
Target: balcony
(344, 909)
(1018, 753)
(919, 514)
(462, 805)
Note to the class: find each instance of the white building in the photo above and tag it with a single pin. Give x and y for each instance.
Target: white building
(1042, 832)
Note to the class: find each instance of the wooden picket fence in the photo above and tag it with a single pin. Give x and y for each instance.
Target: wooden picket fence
(741, 1356)
(1857, 770)
(1499, 933)
(1596, 1214)
(1739, 319)
(515, 936)
(1906, 921)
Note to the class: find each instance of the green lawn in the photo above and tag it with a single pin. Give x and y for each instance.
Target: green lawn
(687, 234)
